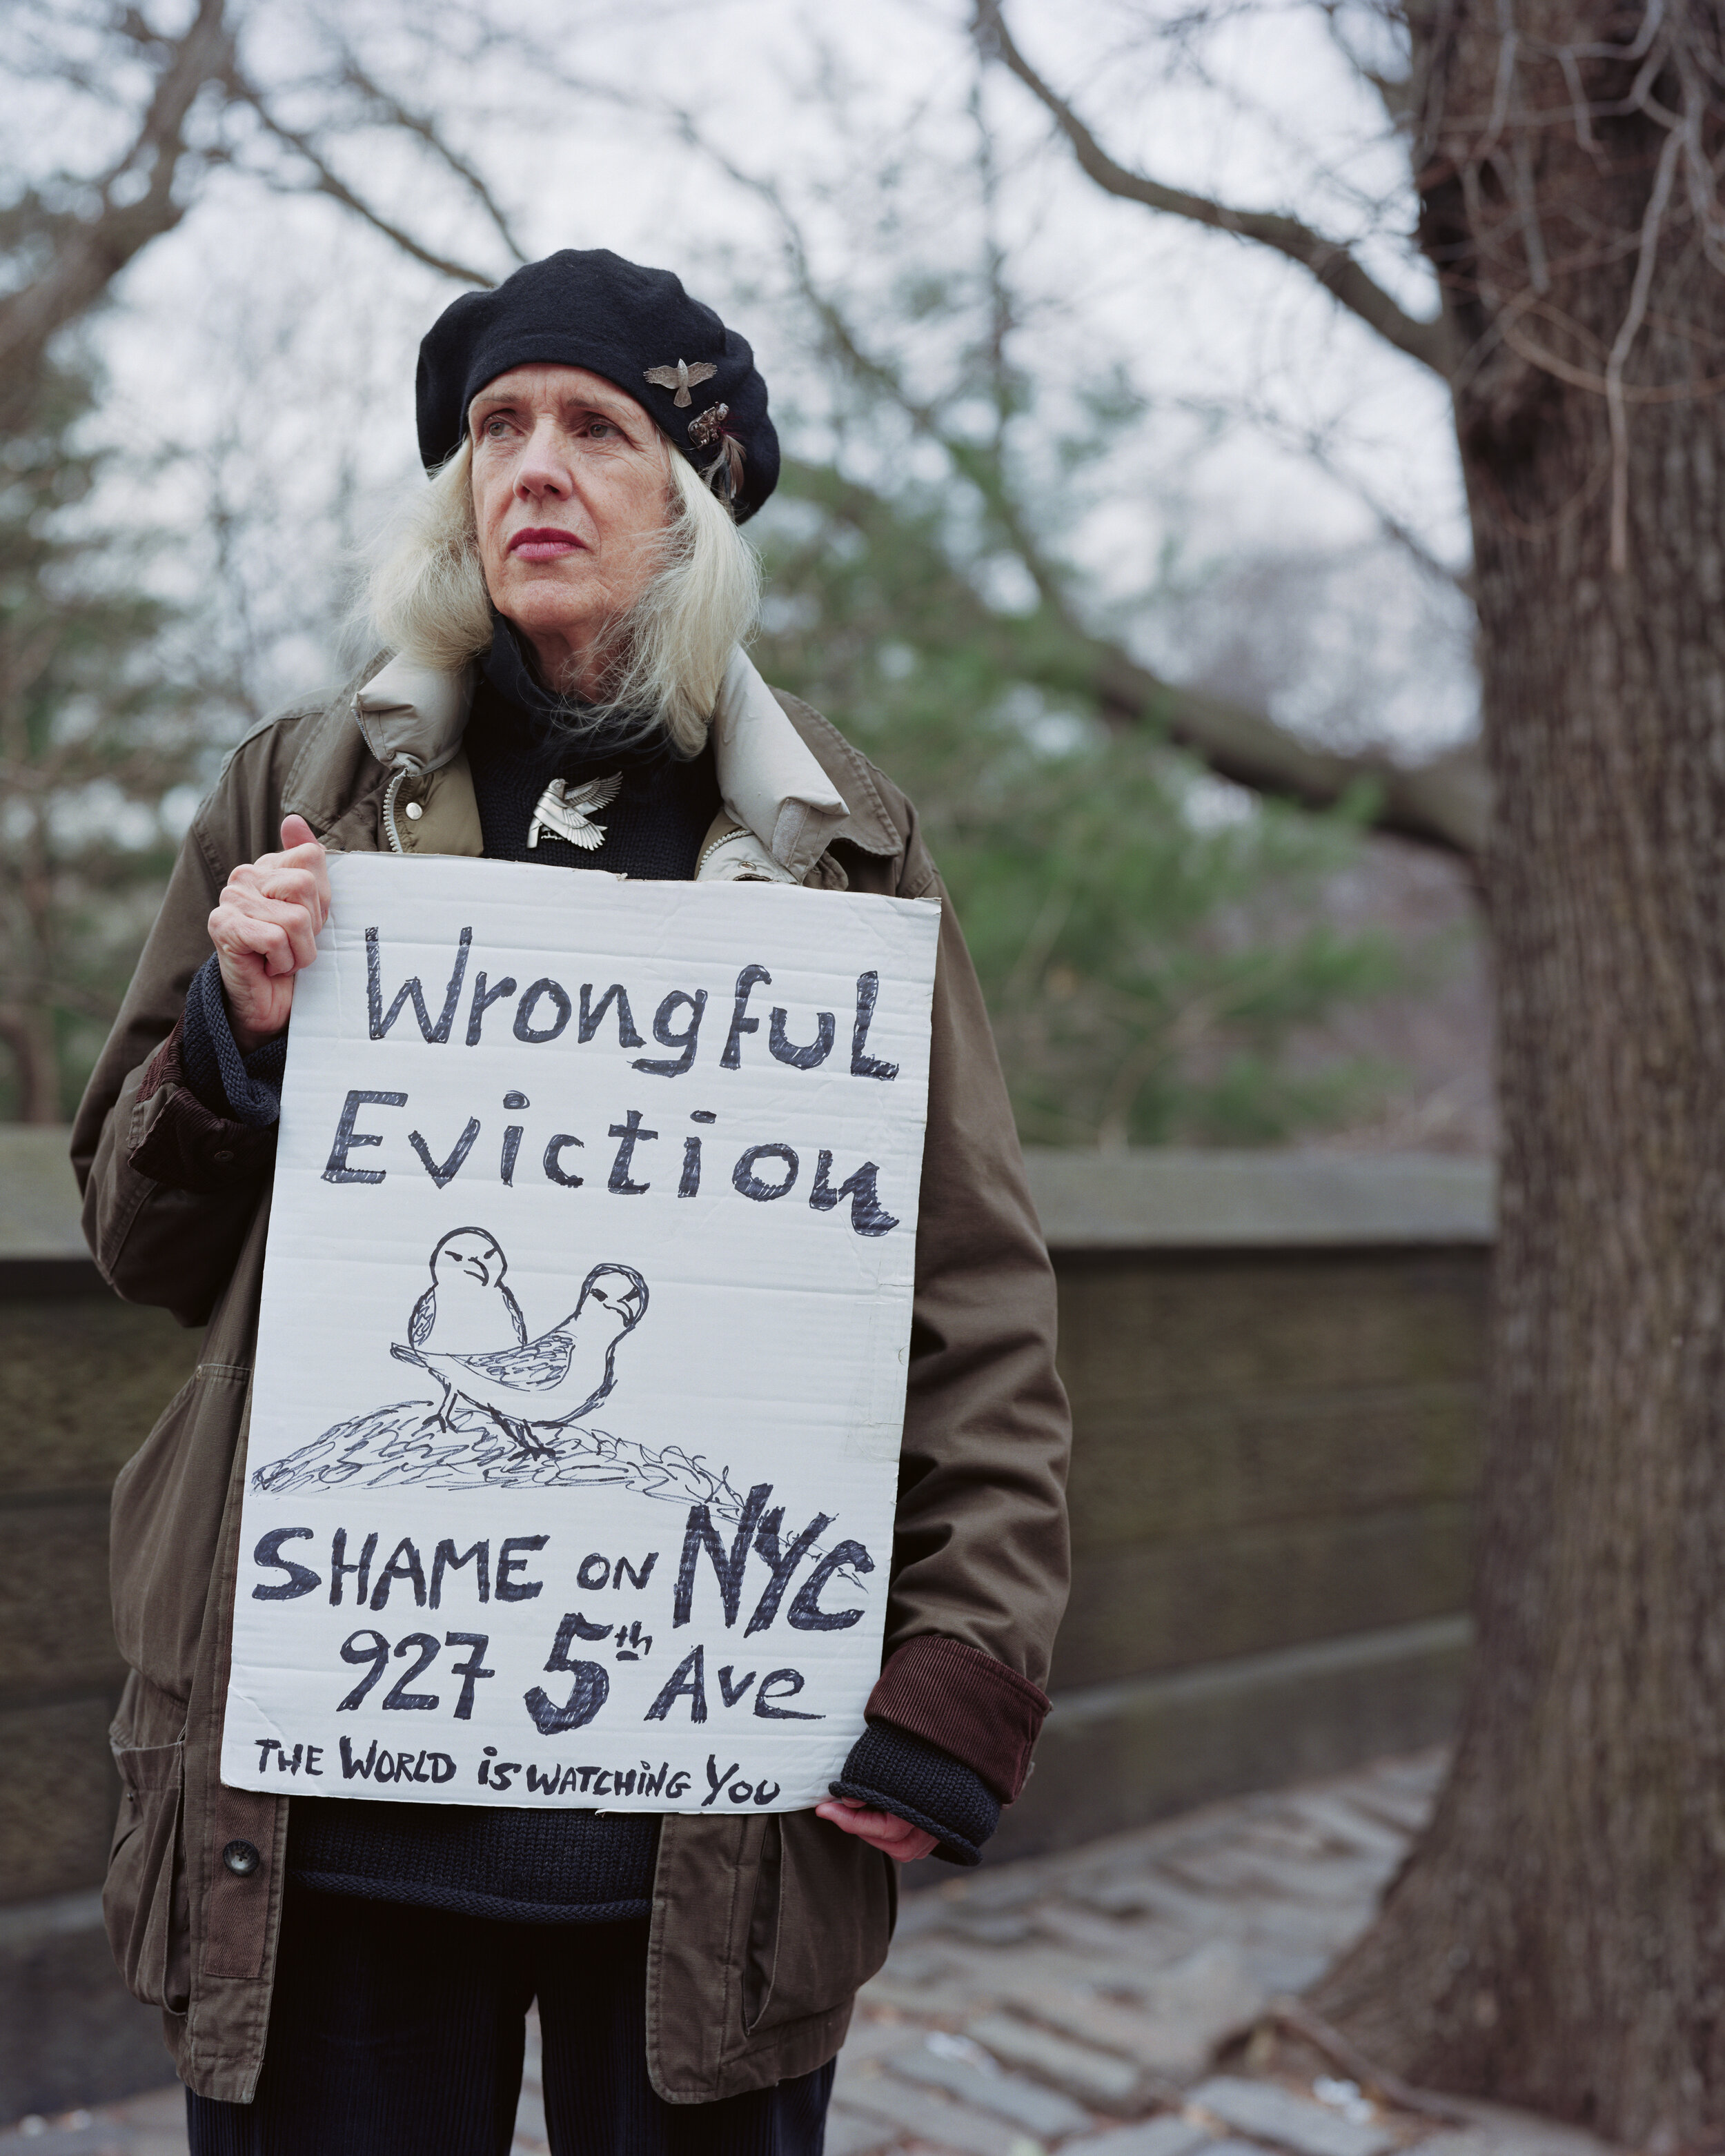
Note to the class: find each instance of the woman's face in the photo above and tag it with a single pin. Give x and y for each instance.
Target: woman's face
(570, 492)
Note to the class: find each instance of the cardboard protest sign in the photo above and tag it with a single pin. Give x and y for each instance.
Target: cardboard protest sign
(580, 1370)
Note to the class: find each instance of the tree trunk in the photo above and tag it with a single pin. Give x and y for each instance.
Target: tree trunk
(1558, 1938)
(28, 1032)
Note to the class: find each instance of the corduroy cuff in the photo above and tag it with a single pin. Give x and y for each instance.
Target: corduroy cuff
(916, 1781)
(175, 1140)
(966, 1703)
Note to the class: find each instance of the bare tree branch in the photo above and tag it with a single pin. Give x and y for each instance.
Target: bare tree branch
(1442, 803)
(327, 181)
(1331, 261)
(1313, 442)
(393, 113)
(89, 254)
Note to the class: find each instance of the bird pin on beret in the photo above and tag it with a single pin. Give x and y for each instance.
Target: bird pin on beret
(681, 377)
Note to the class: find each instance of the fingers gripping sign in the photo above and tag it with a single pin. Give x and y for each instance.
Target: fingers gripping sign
(265, 930)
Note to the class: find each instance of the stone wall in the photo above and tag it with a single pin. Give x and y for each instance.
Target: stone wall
(1274, 1363)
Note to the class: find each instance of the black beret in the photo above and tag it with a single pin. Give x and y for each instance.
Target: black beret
(587, 307)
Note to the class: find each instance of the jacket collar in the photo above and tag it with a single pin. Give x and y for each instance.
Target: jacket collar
(769, 779)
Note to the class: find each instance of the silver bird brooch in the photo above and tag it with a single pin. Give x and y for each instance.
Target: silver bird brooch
(681, 377)
(562, 813)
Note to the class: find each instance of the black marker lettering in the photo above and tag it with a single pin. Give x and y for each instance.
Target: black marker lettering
(688, 1681)
(442, 1177)
(717, 1782)
(806, 1614)
(664, 1033)
(300, 1578)
(802, 1058)
(863, 1066)
(554, 1173)
(469, 1671)
(868, 1215)
(743, 1178)
(740, 1023)
(404, 1565)
(587, 1694)
(444, 1559)
(524, 1029)
(338, 1566)
(781, 1684)
(783, 1562)
(509, 1588)
(483, 1000)
(434, 1034)
(631, 1134)
(588, 1024)
(699, 1535)
(335, 1168)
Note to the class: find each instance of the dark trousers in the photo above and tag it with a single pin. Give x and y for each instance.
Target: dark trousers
(400, 2032)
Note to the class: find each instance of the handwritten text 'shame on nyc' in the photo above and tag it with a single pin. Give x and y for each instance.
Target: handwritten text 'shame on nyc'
(544, 1011)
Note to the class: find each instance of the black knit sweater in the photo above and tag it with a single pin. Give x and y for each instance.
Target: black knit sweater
(544, 1866)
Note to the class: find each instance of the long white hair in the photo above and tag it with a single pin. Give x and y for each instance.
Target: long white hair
(424, 596)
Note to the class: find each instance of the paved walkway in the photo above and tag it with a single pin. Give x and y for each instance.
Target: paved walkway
(1072, 2003)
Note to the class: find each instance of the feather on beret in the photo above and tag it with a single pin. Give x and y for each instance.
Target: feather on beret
(637, 327)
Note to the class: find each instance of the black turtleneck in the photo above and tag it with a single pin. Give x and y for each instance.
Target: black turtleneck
(520, 737)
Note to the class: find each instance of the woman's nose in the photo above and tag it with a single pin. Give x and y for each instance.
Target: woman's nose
(542, 470)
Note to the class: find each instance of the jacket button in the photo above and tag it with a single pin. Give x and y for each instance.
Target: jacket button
(241, 1858)
(415, 812)
(223, 1154)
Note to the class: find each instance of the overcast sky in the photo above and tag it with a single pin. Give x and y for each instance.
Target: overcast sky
(265, 351)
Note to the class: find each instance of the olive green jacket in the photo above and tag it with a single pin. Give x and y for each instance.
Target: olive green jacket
(763, 1927)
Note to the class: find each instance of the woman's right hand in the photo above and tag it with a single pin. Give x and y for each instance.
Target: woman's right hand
(266, 929)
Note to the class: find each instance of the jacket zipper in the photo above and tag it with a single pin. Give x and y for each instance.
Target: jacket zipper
(737, 831)
(405, 768)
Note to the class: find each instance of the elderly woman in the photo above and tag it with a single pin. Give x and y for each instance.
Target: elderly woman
(564, 611)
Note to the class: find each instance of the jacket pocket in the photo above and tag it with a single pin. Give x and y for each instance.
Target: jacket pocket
(820, 1924)
(165, 1521)
(145, 1903)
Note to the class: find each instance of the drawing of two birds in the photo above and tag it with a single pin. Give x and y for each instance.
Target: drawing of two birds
(467, 1332)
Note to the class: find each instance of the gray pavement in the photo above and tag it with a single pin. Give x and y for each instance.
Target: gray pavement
(1073, 2002)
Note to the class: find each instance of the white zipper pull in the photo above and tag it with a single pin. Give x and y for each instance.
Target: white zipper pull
(405, 768)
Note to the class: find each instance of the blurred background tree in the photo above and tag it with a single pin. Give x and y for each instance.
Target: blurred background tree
(1148, 938)
(1157, 945)
(98, 722)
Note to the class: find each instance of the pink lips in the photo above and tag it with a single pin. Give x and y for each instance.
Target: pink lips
(543, 542)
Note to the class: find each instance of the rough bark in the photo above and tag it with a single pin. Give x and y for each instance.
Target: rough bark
(1557, 1938)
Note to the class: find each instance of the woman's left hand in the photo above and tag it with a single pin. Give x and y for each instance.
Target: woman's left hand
(886, 1831)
